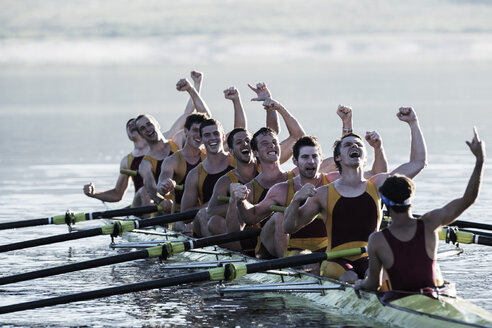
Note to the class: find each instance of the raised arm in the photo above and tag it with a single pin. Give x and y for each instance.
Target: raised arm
(190, 107)
(262, 94)
(345, 114)
(380, 164)
(418, 152)
(293, 126)
(112, 195)
(297, 216)
(200, 105)
(448, 214)
(239, 115)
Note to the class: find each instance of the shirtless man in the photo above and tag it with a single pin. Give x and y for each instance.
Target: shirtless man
(350, 206)
(407, 250)
(131, 162)
(201, 180)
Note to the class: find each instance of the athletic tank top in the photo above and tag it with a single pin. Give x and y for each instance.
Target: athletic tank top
(259, 194)
(183, 169)
(156, 164)
(313, 236)
(350, 220)
(206, 182)
(412, 268)
(133, 164)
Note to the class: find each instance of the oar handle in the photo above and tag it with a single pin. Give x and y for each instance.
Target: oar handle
(129, 172)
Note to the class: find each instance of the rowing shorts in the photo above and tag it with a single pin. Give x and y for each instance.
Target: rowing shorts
(335, 268)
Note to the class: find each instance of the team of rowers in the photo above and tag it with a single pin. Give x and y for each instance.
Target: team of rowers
(237, 182)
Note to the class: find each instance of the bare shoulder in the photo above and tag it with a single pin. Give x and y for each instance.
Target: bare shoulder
(124, 163)
(379, 179)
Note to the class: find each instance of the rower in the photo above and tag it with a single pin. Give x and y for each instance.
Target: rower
(129, 162)
(350, 206)
(176, 167)
(200, 181)
(407, 249)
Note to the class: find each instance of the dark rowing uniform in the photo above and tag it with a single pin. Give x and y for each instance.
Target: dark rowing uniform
(259, 193)
(183, 169)
(157, 163)
(349, 222)
(312, 237)
(133, 164)
(206, 181)
(412, 268)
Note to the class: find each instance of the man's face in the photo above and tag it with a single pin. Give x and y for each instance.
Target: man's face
(131, 130)
(147, 129)
(268, 148)
(193, 135)
(352, 152)
(241, 147)
(308, 162)
(212, 138)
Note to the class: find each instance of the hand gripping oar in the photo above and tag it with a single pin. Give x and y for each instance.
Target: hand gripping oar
(114, 229)
(229, 271)
(453, 235)
(72, 218)
(164, 251)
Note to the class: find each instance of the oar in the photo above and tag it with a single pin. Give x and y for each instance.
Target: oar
(455, 236)
(72, 218)
(229, 271)
(164, 251)
(113, 229)
(275, 208)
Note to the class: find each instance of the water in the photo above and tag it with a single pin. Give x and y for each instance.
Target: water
(72, 73)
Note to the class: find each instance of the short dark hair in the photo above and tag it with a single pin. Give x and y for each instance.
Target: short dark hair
(230, 137)
(263, 131)
(195, 118)
(128, 122)
(210, 122)
(150, 117)
(336, 149)
(396, 192)
(309, 141)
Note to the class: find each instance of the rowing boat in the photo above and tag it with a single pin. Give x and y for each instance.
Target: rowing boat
(415, 310)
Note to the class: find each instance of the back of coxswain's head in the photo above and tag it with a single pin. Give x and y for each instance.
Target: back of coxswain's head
(397, 192)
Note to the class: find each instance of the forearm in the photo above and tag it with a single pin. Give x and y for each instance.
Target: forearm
(347, 126)
(473, 187)
(293, 126)
(239, 115)
(272, 120)
(110, 196)
(418, 152)
(291, 216)
(199, 103)
(246, 212)
(380, 164)
(233, 221)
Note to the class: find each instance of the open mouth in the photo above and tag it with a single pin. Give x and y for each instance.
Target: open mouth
(354, 154)
(245, 151)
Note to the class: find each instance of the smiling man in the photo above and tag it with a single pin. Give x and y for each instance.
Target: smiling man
(201, 180)
(350, 206)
